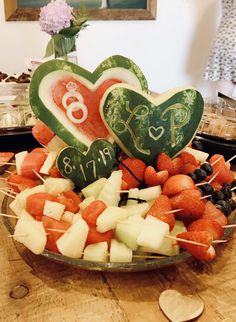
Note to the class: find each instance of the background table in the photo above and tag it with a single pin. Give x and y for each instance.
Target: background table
(33, 288)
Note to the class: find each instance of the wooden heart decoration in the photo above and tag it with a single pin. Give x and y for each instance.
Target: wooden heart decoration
(66, 97)
(144, 126)
(84, 169)
(180, 308)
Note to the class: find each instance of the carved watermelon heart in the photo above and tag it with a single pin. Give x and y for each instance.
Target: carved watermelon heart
(144, 126)
(66, 97)
(84, 169)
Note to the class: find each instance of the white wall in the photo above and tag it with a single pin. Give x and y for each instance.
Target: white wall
(172, 50)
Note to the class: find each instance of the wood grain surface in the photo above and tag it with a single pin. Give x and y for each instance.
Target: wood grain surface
(33, 288)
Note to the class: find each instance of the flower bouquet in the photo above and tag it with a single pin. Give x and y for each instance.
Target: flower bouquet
(63, 25)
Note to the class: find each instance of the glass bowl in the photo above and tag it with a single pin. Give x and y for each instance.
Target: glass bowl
(136, 266)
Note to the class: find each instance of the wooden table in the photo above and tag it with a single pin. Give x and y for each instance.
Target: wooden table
(33, 288)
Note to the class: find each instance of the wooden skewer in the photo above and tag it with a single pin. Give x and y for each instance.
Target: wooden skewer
(10, 216)
(7, 163)
(201, 183)
(57, 230)
(9, 190)
(231, 158)
(7, 194)
(186, 241)
(217, 160)
(216, 174)
(12, 236)
(41, 178)
(218, 241)
(7, 171)
(205, 197)
(3, 179)
(172, 211)
(234, 188)
(229, 226)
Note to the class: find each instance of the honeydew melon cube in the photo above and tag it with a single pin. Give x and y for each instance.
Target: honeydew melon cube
(138, 209)
(119, 252)
(53, 209)
(25, 214)
(54, 186)
(19, 157)
(96, 252)
(72, 242)
(109, 218)
(86, 202)
(199, 155)
(56, 144)
(153, 232)
(16, 207)
(110, 192)
(67, 216)
(31, 234)
(133, 193)
(76, 217)
(22, 196)
(48, 163)
(94, 188)
(168, 247)
(150, 193)
(129, 230)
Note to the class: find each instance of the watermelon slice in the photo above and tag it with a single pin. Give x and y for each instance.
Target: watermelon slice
(66, 97)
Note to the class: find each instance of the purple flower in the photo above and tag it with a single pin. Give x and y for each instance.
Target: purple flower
(55, 16)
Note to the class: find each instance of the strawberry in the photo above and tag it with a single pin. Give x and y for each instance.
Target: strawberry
(133, 172)
(205, 253)
(189, 201)
(224, 175)
(211, 226)
(188, 168)
(187, 157)
(153, 178)
(212, 213)
(177, 183)
(164, 162)
(160, 208)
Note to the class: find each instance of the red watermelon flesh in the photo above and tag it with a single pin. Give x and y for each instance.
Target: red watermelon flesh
(93, 126)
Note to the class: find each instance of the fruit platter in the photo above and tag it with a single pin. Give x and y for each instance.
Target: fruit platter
(116, 184)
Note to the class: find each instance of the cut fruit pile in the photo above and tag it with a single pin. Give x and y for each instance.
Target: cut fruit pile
(114, 180)
(136, 212)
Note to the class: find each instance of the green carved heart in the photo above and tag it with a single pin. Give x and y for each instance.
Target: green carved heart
(144, 126)
(84, 169)
(66, 97)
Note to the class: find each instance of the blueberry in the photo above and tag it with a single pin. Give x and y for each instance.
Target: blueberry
(226, 185)
(206, 189)
(218, 195)
(226, 208)
(207, 168)
(201, 174)
(227, 192)
(193, 176)
(196, 144)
